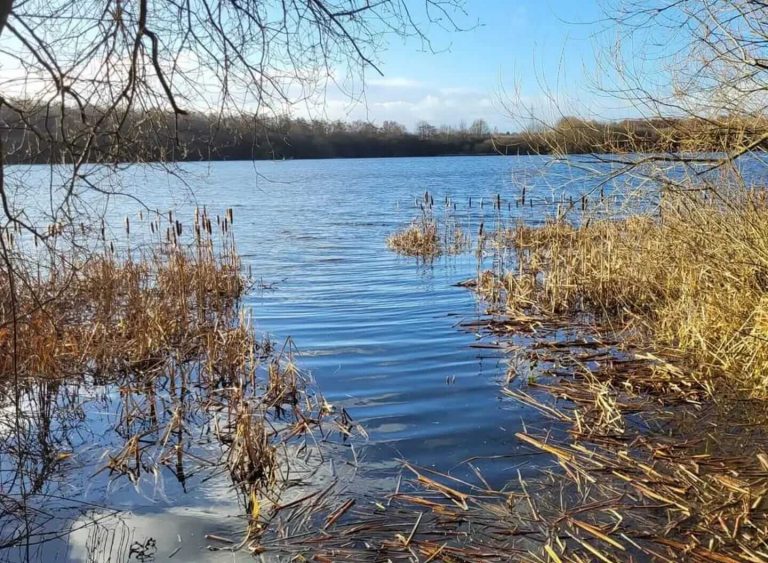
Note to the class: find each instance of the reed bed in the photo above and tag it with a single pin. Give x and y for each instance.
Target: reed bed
(431, 234)
(640, 340)
(690, 280)
(159, 322)
(113, 312)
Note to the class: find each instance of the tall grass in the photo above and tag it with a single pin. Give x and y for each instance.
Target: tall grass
(644, 338)
(122, 312)
(161, 324)
(691, 279)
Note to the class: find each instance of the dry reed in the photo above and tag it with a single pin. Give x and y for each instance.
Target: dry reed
(649, 332)
(691, 280)
(162, 324)
(431, 234)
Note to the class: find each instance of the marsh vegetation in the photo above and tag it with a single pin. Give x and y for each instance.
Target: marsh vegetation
(622, 293)
(194, 388)
(434, 233)
(631, 325)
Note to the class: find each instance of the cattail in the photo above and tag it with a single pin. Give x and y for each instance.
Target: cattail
(127, 226)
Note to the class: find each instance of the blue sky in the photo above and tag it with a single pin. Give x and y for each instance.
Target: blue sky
(518, 51)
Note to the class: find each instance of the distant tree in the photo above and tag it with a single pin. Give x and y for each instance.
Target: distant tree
(393, 128)
(425, 130)
(479, 128)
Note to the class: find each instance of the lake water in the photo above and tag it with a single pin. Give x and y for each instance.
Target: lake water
(379, 332)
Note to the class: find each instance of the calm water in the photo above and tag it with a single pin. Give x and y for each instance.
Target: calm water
(377, 331)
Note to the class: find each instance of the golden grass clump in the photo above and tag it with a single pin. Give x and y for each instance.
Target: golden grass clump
(693, 279)
(420, 239)
(431, 234)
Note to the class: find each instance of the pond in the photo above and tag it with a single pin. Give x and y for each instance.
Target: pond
(380, 334)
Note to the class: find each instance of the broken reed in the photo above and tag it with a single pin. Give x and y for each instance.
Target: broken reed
(431, 234)
(691, 279)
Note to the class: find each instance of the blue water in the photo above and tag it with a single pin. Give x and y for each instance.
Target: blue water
(379, 332)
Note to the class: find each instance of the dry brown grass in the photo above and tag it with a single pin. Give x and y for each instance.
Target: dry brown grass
(127, 312)
(431, 234)
(691, 280)
(643, 340)
(162, 324)
(420, 239)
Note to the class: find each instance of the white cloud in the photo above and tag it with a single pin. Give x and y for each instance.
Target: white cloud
(448, 105)
(395, 82)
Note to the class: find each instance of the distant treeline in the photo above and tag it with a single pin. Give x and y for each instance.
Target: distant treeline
(572, 135)
(31, 134)
(38, 136)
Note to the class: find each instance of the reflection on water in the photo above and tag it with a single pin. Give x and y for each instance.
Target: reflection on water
(378, 332)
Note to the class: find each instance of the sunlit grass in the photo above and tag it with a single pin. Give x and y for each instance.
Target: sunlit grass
(431, 234)
(692, 279)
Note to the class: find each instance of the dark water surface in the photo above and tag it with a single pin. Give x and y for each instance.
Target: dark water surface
(377, 331)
